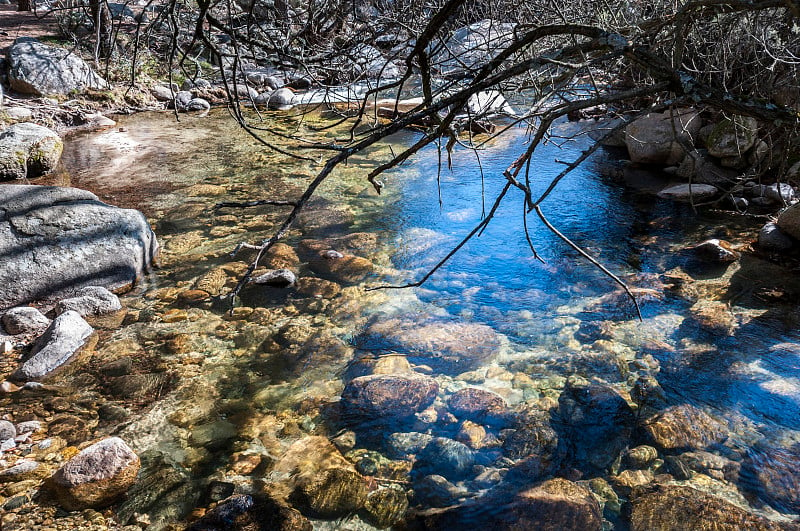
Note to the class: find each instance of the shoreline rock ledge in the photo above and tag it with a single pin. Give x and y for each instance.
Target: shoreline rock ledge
(56, 240)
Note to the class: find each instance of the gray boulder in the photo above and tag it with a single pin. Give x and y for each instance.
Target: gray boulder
(25, 320)
(28, 150)
(689, 192)
(732, 137)
(659, 138)
(789, 221)
(772, 238)
(198, 104)
(277, 278)
(65, 336)
(56, 240)
(471, 47)
(36, 68)
(281, 100)
(91, 300)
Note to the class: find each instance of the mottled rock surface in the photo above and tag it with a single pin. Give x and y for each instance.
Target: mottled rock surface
(674, 508)
(36, 68)
(684, 426)
(28, 150)
(65, 336)
(97, 476)
(656, 138)
(388, 396)
(57, 240)
(25, 320)
(555, 505)
(447, 346)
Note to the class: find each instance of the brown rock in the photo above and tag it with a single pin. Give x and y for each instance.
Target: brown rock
(281, 256)
(772, 473)
(555, 505)
(447, 346)
(97, 476)
(346, 269)
(387, 397)
(675, 508)
(684, 426)
(385, 507)
(477, 405)
(335, 492)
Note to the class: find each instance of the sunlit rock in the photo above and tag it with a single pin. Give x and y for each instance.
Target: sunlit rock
(25, 320)
(668, 506)
(555, 504)
(40, 69)
(689, 192)
(772, 239)
(732, 137)
(91, 300)
(28, 150)
(657, 138)
(65, 336)
(97, 476)
(684, 426)
(46, 231)
(447, 346)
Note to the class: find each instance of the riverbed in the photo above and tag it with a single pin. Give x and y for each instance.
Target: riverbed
(213, 399)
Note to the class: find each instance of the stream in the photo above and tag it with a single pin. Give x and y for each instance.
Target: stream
(212, 401)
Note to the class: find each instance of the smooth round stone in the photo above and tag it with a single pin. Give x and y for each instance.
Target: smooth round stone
(446, 457)
(388, 396)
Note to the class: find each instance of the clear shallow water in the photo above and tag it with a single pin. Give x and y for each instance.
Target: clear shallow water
(257, 382)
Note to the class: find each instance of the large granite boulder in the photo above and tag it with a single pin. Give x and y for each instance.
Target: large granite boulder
(28, 150)
(556, 504)
(661, 138)
(732, 137)
(36, 68)
(56, 240)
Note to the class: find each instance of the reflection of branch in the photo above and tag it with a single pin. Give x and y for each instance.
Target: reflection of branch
(478, 228)
(587, 256)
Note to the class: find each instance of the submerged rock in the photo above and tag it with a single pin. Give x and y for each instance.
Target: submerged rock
(446, 457)
(385, 507)
(346, 269)
(45, 231)
(65, 336)
(447, 346)
(97, 476)
(673, 507)
(772, 473)
(36, 68)
(597, 423)
(335, 492)
(478, 405)
(555, 505)
(684, 426)
(387, 397)
(28, 150)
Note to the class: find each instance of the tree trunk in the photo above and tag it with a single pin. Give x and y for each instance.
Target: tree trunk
(24, 5)
(101, 16)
